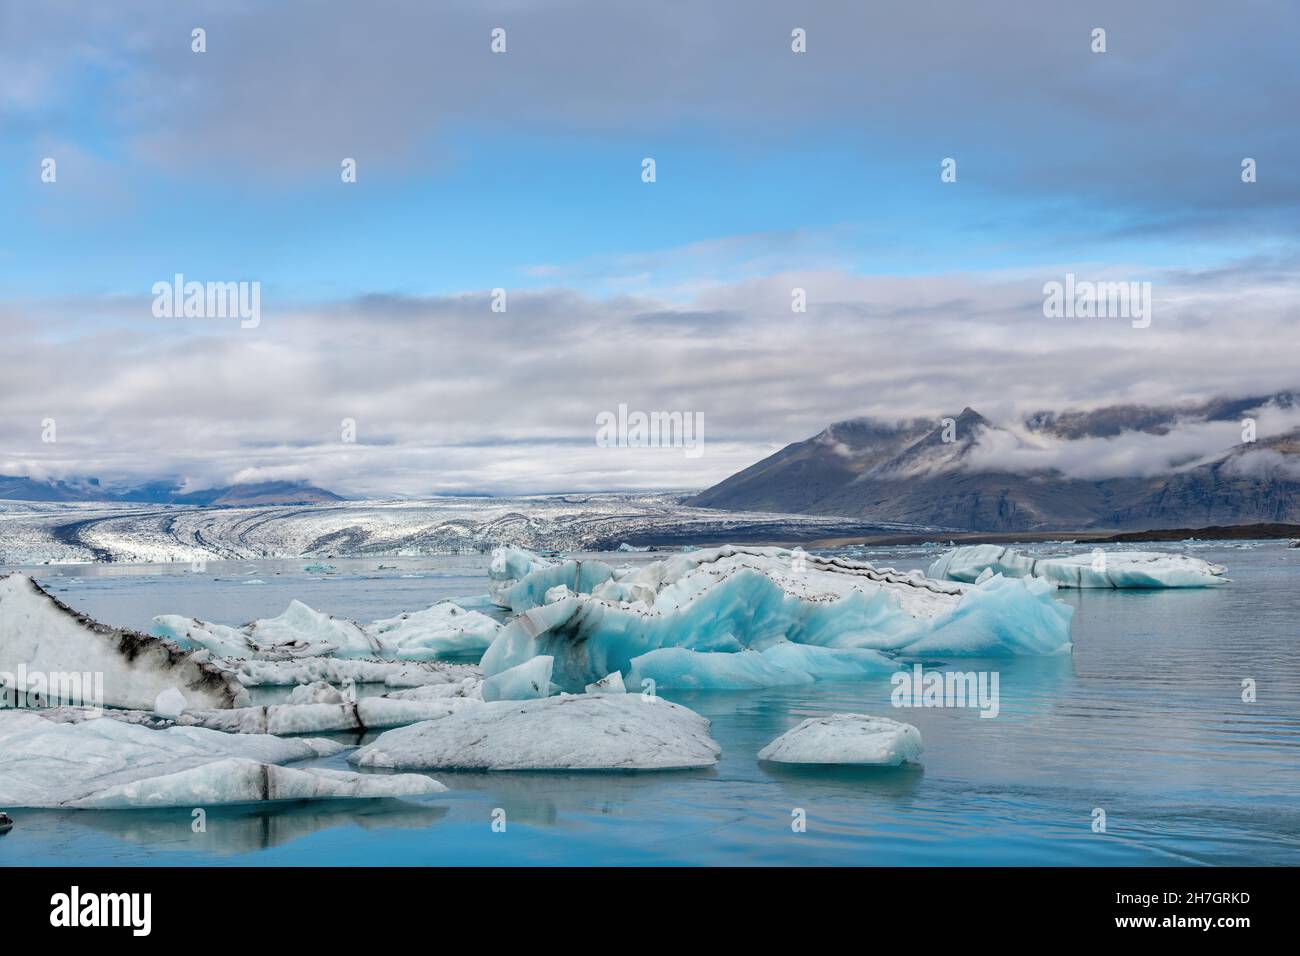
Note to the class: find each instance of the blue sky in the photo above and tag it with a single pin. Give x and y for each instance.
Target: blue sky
(523, 171)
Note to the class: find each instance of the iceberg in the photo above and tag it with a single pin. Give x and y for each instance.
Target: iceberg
(521, 580)
(113, 764)
(609, 684)
(1109, 569)
(715, 603)
(527, 681)
(582, 732)
(438, 631)
(854, 739)
(40, 634)
(334, 670)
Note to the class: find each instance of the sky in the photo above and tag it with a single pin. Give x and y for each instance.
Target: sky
(523, 171)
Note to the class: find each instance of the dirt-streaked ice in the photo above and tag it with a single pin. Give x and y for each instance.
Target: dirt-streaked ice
(114, 764)
(582, 732)
(38, 633)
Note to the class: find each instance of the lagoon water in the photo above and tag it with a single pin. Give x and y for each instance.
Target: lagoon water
(1144, 722)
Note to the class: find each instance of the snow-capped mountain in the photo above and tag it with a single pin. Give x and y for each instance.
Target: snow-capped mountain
(1045, 473)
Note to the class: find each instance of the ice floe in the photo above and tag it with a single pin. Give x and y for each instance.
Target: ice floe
(115, 764)
(684, 621)
(583, 732)
(40, 634)
(1099, 569)
(855, 739)
(441, 630)
(334, 670)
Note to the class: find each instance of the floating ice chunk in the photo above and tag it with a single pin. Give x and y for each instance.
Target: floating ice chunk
(1109, 569)
(609, 684)
(846, 739)
(508, 567)
(317, 692)
(298, 632)
(470, 687)
(247, 781)
(41, 634)
(722, 601)
(437, 631)
(1002, 617)
(369, 713)
(334, 670)
(542, 577)
(781, 665)
(528, 681)
(587, 732)
(625, 547)
(170, 703)
(111, 764)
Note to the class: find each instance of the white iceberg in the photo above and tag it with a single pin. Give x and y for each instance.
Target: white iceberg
(721, 601)
(41, 635)
(438, 631)
(442, 630)
(114, 764)
(1099, 569)
(854, 739)
(586, 732)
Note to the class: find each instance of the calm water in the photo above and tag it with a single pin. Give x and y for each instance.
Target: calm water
(1144, 721)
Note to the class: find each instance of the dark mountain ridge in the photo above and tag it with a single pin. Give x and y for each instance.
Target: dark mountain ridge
(164, 492)
(941, 472)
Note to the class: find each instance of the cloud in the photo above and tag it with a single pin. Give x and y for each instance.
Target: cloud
(1132, 453)
(447, 395)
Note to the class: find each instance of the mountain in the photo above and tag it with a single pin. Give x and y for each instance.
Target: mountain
(165, 492)
(923, 473)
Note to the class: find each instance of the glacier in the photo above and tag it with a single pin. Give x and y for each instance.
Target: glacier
(442, 630)
(39, 633)
(113, 764)
(1109, 569)
(567, 732)
(685, 620)
(853, 739)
